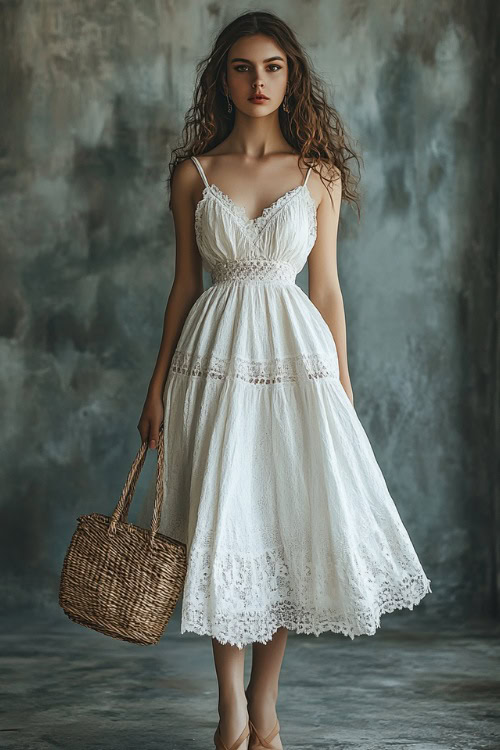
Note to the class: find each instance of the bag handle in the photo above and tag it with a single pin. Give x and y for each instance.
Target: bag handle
(120, 513)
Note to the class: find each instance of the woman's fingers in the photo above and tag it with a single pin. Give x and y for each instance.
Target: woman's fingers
(154, 433)
(149, 428)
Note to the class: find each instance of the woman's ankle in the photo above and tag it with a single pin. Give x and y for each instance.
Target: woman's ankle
(261, 695)
(232, 702)
(262, 709)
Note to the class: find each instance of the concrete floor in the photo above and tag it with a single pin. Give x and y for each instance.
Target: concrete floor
(414, 685)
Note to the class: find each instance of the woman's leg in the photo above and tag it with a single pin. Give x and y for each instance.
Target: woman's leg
(262, 689)
(230, 668)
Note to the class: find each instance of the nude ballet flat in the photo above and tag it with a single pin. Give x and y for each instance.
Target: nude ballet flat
(221, 746)
(262, 743)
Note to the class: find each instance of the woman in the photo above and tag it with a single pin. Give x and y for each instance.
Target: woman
(270, 479)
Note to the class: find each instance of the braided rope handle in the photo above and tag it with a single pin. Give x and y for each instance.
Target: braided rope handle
(120, 513)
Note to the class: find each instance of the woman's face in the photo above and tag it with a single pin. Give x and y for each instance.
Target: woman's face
(255, 64)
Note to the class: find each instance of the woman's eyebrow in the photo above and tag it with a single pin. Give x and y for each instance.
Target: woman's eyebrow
(243, 59)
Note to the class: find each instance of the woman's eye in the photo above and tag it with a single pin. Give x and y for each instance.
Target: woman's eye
(273, 65)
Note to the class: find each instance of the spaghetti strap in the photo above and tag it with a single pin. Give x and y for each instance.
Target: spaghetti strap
(307, 175)
(200, 170)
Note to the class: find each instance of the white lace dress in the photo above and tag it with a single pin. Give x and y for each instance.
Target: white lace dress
(270, 479)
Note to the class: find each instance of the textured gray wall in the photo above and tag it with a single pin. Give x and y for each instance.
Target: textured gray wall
(95, 94)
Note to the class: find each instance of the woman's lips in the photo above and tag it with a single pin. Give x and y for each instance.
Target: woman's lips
(259, 99)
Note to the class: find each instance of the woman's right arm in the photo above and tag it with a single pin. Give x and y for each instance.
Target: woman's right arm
(186, 288)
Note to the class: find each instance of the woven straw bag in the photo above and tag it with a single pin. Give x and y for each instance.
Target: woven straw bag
(118, 578)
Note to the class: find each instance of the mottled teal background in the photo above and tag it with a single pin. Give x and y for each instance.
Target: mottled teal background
(93, 96)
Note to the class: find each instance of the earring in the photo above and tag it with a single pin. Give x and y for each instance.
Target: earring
(285, 102)
(229, 105)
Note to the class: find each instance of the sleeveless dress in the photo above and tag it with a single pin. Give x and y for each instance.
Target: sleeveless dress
(269, 477)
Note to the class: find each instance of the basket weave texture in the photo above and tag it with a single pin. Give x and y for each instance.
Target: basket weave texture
(118, 578)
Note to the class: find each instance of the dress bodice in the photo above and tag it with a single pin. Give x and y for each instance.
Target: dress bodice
(277, 242)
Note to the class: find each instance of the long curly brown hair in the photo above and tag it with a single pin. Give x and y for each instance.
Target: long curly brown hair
(312, 127)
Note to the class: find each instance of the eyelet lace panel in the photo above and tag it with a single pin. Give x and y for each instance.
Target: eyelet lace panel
(254, 269)
(298, 369)
(241, 599)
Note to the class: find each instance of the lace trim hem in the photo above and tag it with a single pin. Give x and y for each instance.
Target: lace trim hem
(241, 598)
(299, 369)
(260, 627)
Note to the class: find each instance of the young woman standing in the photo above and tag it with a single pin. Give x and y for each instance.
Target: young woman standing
(270, 479)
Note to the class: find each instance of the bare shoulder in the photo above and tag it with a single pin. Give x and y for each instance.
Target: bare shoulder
(184, 172)
(331, 174)
(326, 184)
(184, 184)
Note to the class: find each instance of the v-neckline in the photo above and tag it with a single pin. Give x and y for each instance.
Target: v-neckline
(240, 211)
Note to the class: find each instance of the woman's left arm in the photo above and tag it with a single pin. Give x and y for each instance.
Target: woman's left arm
(324, 284)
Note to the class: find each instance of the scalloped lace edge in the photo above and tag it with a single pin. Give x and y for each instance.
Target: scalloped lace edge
(241, 633)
